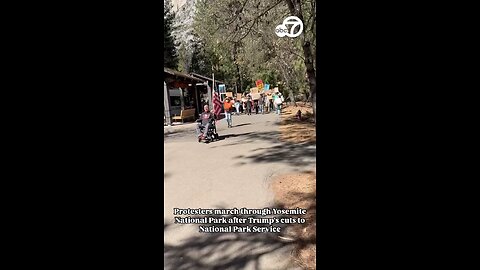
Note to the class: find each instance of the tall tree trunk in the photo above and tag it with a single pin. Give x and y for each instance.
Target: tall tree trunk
(239, 75)
(188, 61)
(295, 8)
(292, 97)
(312, 80)
(287, 81)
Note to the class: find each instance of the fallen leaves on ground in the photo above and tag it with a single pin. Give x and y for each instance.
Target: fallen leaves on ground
(294, 130)
(299, 190)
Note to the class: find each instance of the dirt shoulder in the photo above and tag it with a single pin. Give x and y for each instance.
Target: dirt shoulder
(298, 131)
(299, 189)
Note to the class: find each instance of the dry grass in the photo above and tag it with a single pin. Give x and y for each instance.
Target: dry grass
(299, 190)
(298, 131)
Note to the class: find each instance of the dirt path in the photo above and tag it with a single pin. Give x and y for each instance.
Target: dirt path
(233, 172)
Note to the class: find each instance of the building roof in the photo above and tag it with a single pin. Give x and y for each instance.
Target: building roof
(205, 78)
(180, 74)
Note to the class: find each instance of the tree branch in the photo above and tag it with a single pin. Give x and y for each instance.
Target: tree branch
(254, 19)
(235, 18)
(248, 32)
(294, 53)
(291, 7)
(261, 14)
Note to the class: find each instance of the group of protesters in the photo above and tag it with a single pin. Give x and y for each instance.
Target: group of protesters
(259, 106)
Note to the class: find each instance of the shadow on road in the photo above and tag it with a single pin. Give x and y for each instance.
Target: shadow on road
(293, 154)
(179, 134)
(296, 154)
(235, 251)
(222, 137)
(250, 137)
(245, 124)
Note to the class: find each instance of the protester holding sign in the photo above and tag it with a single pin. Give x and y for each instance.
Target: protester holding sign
(249, 106)
(274, 98)
(266, 103)
(269, 102)
(260, 104)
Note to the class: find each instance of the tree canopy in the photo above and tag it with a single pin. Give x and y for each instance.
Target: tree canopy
(170, 56)
(236, 40)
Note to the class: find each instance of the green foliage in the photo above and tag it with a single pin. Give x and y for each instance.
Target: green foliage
(235, 39)
(201, 60)
(170, 57)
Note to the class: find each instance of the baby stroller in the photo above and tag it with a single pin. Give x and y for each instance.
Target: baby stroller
(212, 134)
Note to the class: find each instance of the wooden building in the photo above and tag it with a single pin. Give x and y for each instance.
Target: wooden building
(211, 82)
(181, 93)
(186, 91)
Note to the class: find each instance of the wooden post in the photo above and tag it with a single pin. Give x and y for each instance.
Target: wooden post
(197, 97)
(209, 93)
(182, 101)
(213, 78)
(166, 102)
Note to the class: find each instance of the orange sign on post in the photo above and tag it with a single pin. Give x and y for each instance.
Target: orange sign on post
(259, 84)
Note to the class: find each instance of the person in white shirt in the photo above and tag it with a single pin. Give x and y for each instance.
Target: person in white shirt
(278, 102)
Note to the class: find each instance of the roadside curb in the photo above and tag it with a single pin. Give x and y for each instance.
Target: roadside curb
(178, 129)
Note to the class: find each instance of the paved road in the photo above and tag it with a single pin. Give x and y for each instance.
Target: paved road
(232, 172)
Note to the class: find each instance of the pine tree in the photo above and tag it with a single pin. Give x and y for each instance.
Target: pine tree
(170, 56)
